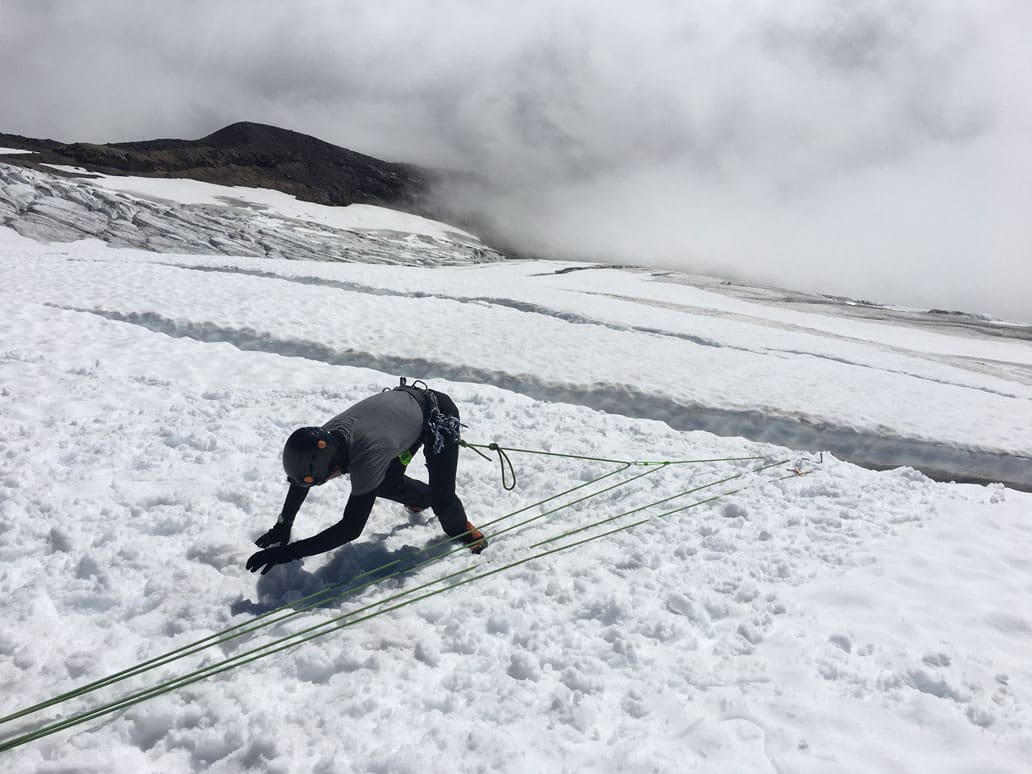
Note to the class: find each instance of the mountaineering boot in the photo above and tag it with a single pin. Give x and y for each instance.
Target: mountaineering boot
(473, 538)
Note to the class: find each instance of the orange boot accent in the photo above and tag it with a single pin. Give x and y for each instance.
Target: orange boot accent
(474, 538)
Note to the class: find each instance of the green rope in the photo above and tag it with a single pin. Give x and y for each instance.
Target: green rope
(296, 608)
(575, 502)
(348, 619)
(321, 597)
(660, 502)
(542, 453)
(199, 674)
(313, 600)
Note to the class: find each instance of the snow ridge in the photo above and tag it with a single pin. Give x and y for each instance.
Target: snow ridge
(876, 450)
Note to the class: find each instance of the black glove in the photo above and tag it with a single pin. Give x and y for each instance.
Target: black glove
(278, 535)
(270, 557)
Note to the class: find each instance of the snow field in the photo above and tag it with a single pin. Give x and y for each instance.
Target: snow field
(846, 620)
(345, 325)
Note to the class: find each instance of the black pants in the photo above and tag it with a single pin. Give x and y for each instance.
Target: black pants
(440, 493)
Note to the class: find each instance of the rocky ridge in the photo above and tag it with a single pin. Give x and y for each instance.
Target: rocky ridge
(248, 154)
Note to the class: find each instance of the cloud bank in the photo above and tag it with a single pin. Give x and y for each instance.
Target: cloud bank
(870, 148)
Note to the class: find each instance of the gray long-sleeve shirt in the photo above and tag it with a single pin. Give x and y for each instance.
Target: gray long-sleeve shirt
(376, 430)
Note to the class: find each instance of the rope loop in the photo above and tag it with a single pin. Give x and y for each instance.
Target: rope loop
(503, 462)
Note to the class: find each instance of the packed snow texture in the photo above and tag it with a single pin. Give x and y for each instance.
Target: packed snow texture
(817, 616)
(977, 381)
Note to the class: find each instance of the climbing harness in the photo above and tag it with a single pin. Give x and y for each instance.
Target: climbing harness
(439, 428)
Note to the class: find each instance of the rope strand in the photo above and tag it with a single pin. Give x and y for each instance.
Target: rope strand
(326, 596)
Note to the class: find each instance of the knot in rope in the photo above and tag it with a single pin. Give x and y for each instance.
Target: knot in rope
(503, 462)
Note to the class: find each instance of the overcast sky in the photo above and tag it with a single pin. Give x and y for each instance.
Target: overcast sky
(861, 147)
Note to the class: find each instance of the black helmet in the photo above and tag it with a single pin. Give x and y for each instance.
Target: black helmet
(310, 456)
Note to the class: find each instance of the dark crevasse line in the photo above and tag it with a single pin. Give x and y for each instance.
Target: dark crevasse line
(937, 461)
(520, 306)
(574, 319)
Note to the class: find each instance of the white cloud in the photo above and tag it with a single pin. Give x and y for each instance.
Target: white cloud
(870, 148)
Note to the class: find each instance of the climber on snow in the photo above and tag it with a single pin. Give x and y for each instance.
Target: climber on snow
(373, 442)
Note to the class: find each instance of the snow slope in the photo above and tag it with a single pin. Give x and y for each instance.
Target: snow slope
(842, 620)
(163, 215)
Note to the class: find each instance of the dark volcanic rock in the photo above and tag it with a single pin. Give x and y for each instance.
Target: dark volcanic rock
(27, 143)
(253, 155)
